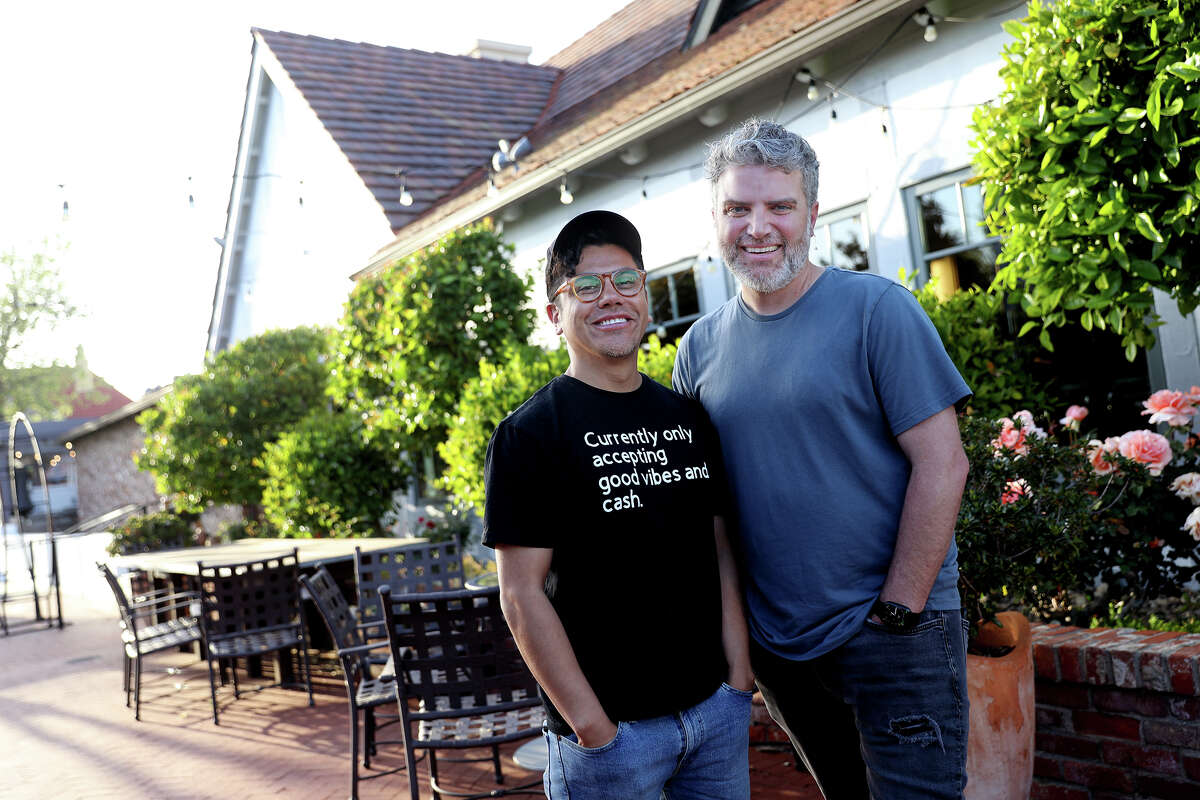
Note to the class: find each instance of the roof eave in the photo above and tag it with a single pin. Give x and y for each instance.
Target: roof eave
(789, 50)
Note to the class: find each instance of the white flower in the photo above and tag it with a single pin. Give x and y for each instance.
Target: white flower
(1187, 487)
(1192, 524)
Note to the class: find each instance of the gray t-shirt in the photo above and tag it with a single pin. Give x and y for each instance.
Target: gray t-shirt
(808, 404)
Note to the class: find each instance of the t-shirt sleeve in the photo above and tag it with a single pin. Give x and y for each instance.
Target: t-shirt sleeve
(681, 380)
(914, 377)
(516, 483)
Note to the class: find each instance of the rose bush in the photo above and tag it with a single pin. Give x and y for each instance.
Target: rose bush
(1045, 515)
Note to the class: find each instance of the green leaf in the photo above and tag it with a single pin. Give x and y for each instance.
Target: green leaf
(1145, 269)
(1154, 105)
(1146, 227)
(1131, 114)
(1027, 327)
(1044, 338)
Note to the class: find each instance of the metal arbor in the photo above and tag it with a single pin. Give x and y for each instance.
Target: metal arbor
(50, 598)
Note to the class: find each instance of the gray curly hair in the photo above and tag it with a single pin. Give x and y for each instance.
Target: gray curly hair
(760, 141)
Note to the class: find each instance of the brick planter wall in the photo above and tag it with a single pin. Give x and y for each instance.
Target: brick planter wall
(1118, 714)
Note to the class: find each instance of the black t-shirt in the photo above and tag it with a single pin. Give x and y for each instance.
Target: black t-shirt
(623, 487)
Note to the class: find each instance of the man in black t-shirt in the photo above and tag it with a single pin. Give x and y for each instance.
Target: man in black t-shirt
(604, 500)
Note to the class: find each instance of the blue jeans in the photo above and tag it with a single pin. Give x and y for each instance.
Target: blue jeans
(883, 716)
(702, 753)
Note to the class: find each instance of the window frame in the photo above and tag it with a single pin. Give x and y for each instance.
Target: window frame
(916, 223)
(840, 214)
(690, 264)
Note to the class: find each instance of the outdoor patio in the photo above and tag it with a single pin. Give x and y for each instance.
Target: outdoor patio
(67, 733)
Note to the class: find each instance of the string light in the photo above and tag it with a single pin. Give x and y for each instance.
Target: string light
(406, 198)
(66, 208)
(564, 194)
(191, 197)
(645, 196)
(813, 92)
(492, 191)
(926, 20)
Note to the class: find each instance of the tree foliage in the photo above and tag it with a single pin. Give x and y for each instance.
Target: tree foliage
(323, 478)
(413, 336)
(204, 438)
(498, 390)
(1091, 162)
(34, 302)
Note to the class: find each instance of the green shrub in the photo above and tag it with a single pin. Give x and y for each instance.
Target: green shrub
(247, 529)
(323, 478)
(486, 399)
(1090, 160)
(415, 334)
(158, 531)
(204, 438)
(972, 326)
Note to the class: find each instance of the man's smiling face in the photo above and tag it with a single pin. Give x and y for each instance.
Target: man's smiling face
(611, 327)
(764, 225)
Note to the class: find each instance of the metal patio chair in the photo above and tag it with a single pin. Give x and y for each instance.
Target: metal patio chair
(364, 691)
(407, 569)
(252, 609)
(150, 624)
(461, 682)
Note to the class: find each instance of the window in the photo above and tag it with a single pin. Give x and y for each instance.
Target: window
(841, 239)
(954, 247)
(674, 299)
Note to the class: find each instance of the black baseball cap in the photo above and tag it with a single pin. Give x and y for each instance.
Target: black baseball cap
(615, 229)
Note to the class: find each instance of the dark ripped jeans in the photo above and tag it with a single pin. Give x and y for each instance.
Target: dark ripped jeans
(884, 716)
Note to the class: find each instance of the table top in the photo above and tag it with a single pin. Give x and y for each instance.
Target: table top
(311, 552)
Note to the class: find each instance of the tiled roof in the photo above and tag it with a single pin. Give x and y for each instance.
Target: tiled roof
(628, 40)
(437, 116)
(653, 83)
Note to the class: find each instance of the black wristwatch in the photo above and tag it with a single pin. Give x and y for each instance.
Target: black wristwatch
(896, 616)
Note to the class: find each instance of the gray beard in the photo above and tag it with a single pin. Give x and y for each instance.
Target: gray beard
(795, 256)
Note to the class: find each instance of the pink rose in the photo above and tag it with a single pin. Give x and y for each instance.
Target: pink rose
(1146, 447)
(1173, 408)
(1014, 491)
(1012, 437)
(1193, 395)
(1192, 524)
(1075, 415)
(1097, 452)
(1187, 487)
(1027, 424)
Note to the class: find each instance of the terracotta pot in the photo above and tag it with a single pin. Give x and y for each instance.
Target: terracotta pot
(1001, 741)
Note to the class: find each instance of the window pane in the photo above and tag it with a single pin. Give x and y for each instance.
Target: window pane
(977, 267)
(660, 299)
(850, 250)
(973, 211)
(941, 225)
(687, 300)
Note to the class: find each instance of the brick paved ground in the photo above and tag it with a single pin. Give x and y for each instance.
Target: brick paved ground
(65, 732)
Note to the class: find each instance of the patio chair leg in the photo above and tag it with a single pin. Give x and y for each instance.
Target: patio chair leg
(354, 755)
(368, 735)
(137, 689)
(433, 776)
(128, 681)
(410, 763)
(237, 692)
(496, 763)
(212, 685)
(307, 667)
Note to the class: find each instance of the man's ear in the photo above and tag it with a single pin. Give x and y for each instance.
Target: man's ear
(552, 313)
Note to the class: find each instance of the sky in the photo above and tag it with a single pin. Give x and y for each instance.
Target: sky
(122, 109)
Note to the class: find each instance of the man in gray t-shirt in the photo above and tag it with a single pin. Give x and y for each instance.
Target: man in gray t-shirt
(834, 400)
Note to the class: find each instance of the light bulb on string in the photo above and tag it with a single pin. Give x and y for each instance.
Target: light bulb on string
(564, 194)
(492, 191)
(645, 196)
(191, 196)
(931, 32)
(66, 207)
(406, 198)
(300, 192)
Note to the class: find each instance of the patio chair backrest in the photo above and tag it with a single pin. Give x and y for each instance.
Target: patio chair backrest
(127, 619)
(338, 615)
(251, 595)
(457, 652)
(407, 569)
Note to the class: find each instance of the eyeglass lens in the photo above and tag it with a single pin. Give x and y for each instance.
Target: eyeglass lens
(626, 281)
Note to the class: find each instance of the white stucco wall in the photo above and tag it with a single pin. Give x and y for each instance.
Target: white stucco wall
(930, 90)
(294, 260)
